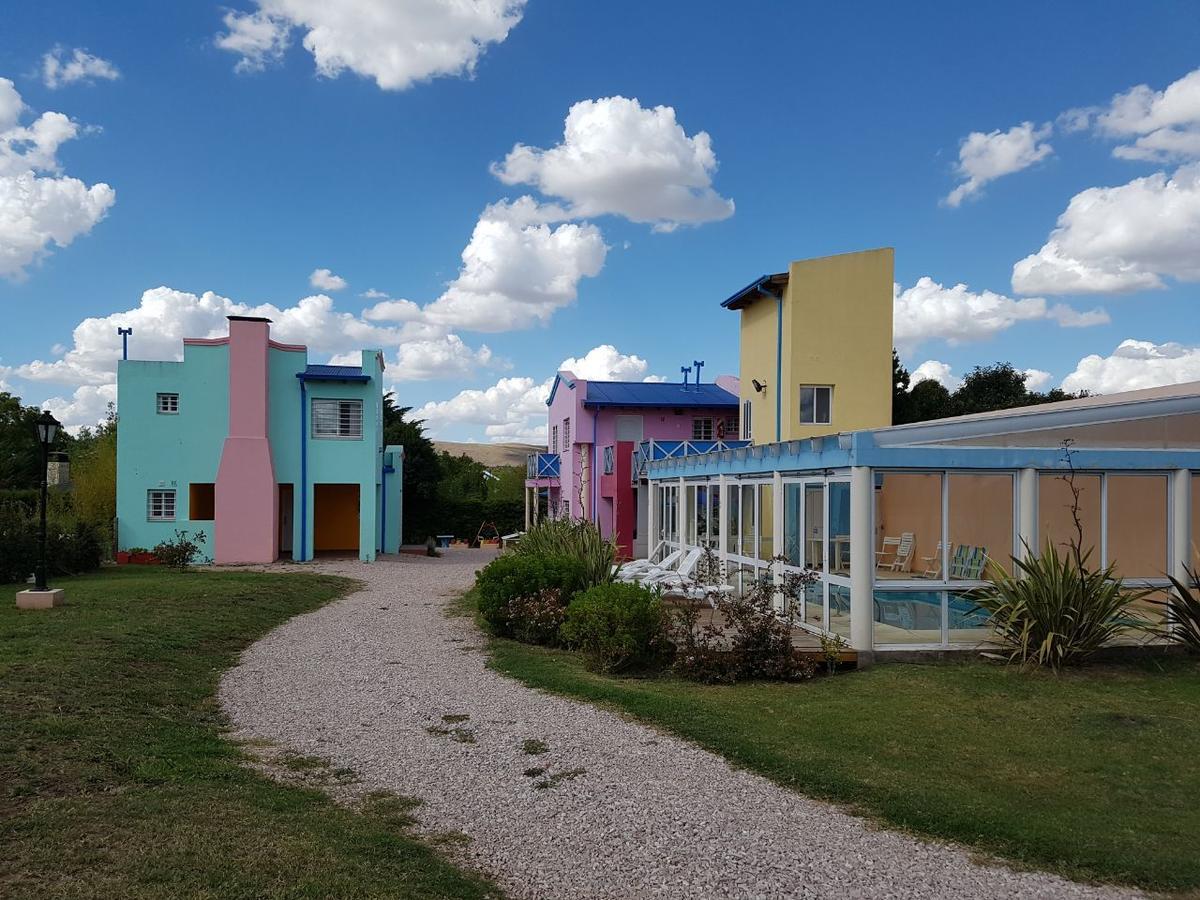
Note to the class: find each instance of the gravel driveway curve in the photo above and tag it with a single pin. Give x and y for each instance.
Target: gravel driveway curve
(637, 813)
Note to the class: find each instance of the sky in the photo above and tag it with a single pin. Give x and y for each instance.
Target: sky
(491, 190)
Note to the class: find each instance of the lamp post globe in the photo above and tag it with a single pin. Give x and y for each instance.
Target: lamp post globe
(47, 431)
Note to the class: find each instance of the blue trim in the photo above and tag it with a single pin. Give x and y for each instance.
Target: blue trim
(858, 449)
(303, 471)
(383, 507)
(554, 387)
(746, 294)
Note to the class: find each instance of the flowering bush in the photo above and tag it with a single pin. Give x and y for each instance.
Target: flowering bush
(516, 585)
(616, 625)
(537, 618)
(747, 638)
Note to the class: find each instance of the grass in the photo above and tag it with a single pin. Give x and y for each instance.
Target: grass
(115, 780)
(1092, 774)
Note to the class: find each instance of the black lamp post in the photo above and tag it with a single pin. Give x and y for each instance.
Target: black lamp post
(47, 431)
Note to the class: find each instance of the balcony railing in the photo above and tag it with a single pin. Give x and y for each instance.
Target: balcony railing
(648, 451)
(541, 465)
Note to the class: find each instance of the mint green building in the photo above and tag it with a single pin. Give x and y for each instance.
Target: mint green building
(269, 456)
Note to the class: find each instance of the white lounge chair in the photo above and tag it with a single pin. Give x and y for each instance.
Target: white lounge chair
(638, 568)
(666, 579)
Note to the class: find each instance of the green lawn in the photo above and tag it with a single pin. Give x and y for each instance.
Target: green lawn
(1094, 774)
(115, 780)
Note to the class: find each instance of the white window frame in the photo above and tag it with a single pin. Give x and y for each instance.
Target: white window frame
(697, 425)
(746, 432)
(816, 419)
(346, 425)
(731, 428)
(553, 438)
(166, 403)
(566, 435)
(162, 498)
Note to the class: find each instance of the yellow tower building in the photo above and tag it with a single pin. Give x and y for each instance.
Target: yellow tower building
(816, 347)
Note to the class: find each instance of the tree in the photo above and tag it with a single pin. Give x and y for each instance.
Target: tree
(94, 474)
(927, 400)
(421, 469)
(901, 380)
(987, 388)
(20, 451)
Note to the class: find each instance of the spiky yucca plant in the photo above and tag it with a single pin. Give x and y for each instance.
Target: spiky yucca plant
(1183, 611)
(1053, 611)
(578, 538)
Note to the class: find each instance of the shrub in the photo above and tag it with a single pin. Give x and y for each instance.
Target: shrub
(1183, 612)
(1054, 611)
(616, 625)
(531, 582)
(72, 546)
(536, 619)
(579, 539)
(180, 552)
(747, 637)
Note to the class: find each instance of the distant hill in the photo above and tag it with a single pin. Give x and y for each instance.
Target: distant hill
(489, 454)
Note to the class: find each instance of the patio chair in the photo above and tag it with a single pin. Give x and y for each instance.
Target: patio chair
(902, 555)
(933, 564)
(676, 578)
(639, 568)
(968, 563)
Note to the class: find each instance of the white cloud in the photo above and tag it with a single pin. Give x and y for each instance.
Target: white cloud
(1133, 365)
(1164, 125)
(513, 409)
(606, 363)
(325, 280)
(80, 66)
(394, 42)
(87, 406)
(38, 210)
(930, 311)
(372, 294)
(1037, 379)
(619, 158)
(446, 357)
(983, 158)
(392, 311)
(935, 370)
(1117, 239)
(517, 270)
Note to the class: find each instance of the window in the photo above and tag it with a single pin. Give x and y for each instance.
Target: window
(202, 502)
(554, 439)
(702, 429)
(747, 431)
(566, 435)
(728, 431)
(168, 404)
(815, 404)
(337, 419)
(160, 506)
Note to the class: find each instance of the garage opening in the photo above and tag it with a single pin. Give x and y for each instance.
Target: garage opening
(335, 518)
(202, 502)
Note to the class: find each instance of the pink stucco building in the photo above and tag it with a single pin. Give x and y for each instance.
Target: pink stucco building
(597, 433)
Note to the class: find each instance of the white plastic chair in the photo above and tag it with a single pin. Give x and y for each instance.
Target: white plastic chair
(634, 571)
(668, 578)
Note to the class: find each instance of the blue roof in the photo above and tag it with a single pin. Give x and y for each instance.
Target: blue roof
(649, 393)
(766, 285)
(333, 373)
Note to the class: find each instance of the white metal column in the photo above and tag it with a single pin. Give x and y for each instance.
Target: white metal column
(777, 536)
(1027, 512)
(723, 524)
(683, 513)
(1181, 523)
(652, 501)
(862, 560)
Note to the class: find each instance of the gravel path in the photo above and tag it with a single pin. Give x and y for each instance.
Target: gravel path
(634, 813)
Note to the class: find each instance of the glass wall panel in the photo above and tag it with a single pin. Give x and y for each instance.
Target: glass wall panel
(814, 526)
(968, 623)
(734, 493)
(749, 521)
(700, 511)
(839, 528)
(690, 512)
(908, 522)
(766, 521)
(814, 605)
(1195, 537)
(839, 609)
(793, 498)
(907, 617)
(1137, 525)
(981, 522)
(714, 510)
(1055, 522)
